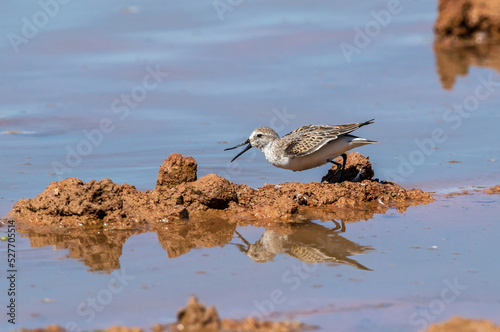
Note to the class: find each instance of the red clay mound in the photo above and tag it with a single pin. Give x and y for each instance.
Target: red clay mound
(195, 317)
(467, 34)
(180, 195)
(468, 21)
(460, 324)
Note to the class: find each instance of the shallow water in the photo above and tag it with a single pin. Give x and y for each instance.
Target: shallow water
(388, 273)
(276, 64)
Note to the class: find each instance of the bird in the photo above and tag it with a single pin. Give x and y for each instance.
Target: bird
(306, 147)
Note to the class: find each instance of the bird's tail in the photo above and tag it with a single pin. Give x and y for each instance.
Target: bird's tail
(366, 123)
(363, 141)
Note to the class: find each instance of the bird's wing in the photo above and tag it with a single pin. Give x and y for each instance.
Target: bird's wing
(310, 138)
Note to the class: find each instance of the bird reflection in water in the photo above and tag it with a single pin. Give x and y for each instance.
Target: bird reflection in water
(308, 242)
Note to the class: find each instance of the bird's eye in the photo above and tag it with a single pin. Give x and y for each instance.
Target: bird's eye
(259, 135)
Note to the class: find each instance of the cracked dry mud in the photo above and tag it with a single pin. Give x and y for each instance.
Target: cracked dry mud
(179, 194)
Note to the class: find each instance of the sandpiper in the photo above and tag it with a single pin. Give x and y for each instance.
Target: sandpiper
(306, 147)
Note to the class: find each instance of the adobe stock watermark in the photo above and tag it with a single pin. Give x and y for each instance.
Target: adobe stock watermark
(120, 106)
(279, 121)
(454, 117)
(92, 305)
(293, 278)
(32, 25)
(221, 7)
(364, 36)
(428, 314)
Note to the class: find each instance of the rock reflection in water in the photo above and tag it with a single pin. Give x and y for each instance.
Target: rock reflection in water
(179, 238)
(308, 242)
(99, 250)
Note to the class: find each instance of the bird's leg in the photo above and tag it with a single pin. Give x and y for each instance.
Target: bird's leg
(339, 166)
(344, 159)
(339, 226)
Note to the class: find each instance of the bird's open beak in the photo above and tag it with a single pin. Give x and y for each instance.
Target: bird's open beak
(249, 146)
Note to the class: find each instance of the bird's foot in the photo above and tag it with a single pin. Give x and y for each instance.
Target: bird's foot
(340, 168)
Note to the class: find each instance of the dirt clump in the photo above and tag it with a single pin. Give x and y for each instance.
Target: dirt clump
(467, 33)
(176, 170)
(57, 328)
(50, 328)
(357, 169)
(254, 325)
(468, 21)
(197, 318)
(492, 190)
(460, 324)
(180, 195)
(73, 203)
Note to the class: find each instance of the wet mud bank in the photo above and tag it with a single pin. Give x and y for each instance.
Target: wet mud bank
(467, 33)
(490, 191)
(195, 317)
(180, 195)
(461, 324)
(468, 22)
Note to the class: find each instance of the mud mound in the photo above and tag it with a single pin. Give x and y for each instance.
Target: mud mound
(493, 190)
(460, 324)
(56, 328)
(195, 317)
(357, 169)
(467, 34)
(50, 328)
(179, 194)
(468, 22)
(176, 170)
(73, 203)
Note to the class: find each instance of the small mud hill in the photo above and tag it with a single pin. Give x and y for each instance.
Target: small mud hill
(179, 194)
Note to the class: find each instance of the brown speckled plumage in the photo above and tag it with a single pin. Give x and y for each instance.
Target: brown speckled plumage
(306, 147)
